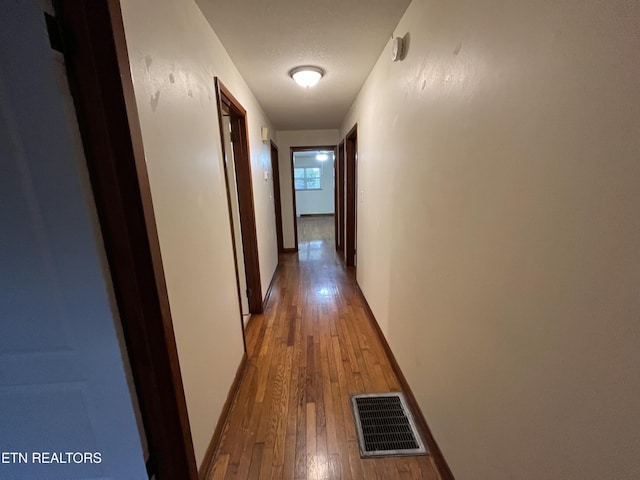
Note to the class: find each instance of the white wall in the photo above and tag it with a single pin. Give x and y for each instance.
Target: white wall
(503, 264)
(316, 201)
(174, 57)
(285, 140)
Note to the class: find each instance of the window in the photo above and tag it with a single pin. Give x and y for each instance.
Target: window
(307, 178)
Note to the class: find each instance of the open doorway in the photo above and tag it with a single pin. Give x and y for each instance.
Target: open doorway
(351, 189)
(237, 166)
(340, 210)
(277, 202)
(234, 213)
(313, 179)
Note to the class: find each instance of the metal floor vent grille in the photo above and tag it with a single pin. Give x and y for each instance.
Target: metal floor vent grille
(385, 426)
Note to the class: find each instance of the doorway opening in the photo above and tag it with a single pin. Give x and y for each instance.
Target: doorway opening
(313, 186)
(237, 168)
(351, 189)
(277, 202)
(340, 208)
(234, 215)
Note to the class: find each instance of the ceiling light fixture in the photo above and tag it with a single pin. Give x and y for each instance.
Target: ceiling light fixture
(322, 157)
(307, 76)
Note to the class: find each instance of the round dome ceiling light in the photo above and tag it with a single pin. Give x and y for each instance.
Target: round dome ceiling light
(307, 76)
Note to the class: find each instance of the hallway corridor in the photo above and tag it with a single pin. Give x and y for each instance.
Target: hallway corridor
(313, 347)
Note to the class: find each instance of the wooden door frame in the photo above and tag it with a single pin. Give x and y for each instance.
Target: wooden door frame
(351, 195)
(228, 190)
(339, 171)
(277, 198)
(292, 150)
(242, 162)
(100, 80)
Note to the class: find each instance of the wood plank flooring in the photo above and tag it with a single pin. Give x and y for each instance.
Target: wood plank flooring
(312, 348)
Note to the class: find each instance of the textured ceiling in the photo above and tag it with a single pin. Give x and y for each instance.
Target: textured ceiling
(267, 38)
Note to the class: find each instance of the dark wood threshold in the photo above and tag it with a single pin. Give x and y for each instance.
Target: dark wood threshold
(317, 214)
(289, 250)
(436, 453)
(268, 295)
(206, 468)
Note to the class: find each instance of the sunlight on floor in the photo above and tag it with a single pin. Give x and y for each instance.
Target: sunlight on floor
(316, 234)
(325, 293)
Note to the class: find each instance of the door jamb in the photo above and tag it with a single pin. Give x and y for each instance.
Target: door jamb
(242, 162)
(227, 185)
(351, 194)
(340, 198)
(102, 88)
(277, 198)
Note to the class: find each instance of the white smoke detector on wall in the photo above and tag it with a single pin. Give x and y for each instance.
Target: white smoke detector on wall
(397, 49)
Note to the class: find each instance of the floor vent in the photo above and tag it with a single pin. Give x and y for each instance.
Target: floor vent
(385, 426)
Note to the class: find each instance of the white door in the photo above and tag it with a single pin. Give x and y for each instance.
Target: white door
(66, 406)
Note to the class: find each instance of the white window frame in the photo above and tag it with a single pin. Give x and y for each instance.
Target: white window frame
(305, 178)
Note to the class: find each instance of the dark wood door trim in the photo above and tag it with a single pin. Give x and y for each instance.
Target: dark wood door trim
(336, 201)
(307, 148)
(340, 198)
(242, 162)
(98, 69)
(293, 201)
(351, 155)
(222, 112)
(277, 202)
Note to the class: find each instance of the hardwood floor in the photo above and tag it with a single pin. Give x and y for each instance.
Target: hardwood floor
(312, 348)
